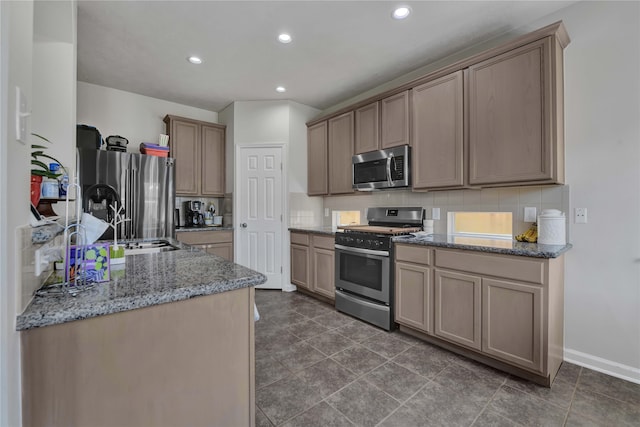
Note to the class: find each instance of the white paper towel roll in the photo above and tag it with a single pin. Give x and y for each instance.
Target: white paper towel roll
(552, 227)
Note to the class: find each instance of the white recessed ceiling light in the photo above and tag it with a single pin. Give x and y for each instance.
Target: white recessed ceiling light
(281, 89)
(194, 60)
(284, 38)
(401, 12)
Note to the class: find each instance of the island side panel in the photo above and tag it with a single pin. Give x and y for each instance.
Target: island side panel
(184, 363)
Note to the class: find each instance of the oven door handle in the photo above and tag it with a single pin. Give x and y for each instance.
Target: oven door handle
(363, 251)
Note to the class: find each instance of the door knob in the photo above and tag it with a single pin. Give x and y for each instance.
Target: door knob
(243, 225)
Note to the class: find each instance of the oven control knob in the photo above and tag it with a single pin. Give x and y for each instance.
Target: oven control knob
(359, 241)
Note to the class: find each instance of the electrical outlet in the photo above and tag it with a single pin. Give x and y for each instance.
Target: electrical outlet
(580, 216)
(40, 261)
(530, 214)
(435, 213)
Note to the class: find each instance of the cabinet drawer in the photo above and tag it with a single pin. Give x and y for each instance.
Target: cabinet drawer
(510, 267)
(324, 242)
(201, 237)
(413, 253)
(300, 239)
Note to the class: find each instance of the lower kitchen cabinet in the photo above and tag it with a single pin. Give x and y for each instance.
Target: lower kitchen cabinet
(313, 263)
(504, 310)
(300, 260)
(414, 287)
(457, 308)
(213, 242)
(512, 322)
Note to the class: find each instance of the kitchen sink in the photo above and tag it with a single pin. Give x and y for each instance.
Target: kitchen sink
(151, 247)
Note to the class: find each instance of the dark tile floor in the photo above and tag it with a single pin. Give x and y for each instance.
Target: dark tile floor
(318, 367)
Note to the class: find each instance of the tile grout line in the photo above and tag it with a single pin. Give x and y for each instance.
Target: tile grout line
(486, 405)
(408, 399)
(573, 395)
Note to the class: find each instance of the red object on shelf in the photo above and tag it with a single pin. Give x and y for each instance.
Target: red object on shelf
(152, 152)
(36, 184)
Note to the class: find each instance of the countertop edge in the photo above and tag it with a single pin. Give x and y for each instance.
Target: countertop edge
(531, 250)
(26, 322)
(314, 230)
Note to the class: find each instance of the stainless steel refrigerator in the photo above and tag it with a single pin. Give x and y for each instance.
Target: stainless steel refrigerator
(144, 185)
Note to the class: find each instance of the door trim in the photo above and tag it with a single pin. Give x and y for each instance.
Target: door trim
(284, 151)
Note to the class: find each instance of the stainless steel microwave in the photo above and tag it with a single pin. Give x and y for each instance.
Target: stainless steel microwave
(388, 168)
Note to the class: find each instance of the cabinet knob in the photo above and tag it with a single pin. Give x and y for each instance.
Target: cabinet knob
(243, 225)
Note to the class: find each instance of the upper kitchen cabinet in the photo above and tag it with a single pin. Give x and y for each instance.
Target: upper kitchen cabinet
(317, 165)
(516, 116)
(367, 123)
(199, 150)
(213, 157)
(395, 120)
(341, 142)
(438, 131)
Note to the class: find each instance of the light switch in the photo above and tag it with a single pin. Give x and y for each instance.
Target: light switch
(530, 214)
(21, 116)
(326, 211)
(435, 213)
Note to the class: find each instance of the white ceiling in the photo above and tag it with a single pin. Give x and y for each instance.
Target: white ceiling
(339, 49)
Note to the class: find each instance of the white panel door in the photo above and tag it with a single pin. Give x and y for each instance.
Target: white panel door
(260, 212)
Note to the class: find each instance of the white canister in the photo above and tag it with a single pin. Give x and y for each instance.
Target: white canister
(50, 188)
(217, 220)
(552, 227)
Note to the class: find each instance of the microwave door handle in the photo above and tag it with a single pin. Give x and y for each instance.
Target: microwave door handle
(389, 169)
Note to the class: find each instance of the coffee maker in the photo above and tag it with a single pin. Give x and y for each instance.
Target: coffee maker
(192, 214)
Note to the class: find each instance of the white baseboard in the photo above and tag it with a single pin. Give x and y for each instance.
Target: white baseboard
(615, 369)
(289, 288)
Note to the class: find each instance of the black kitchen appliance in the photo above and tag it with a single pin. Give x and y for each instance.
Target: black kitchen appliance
(117, 143)
(88, 137)
(192, 213)
(363, 268)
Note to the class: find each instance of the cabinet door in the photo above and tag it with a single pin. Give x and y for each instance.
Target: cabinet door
(413, 294)
(510, 111)
(224, 250)
(340, 154)
(324, 272)
(438, 124)
(300, 266)
(185, 148)
(317, 154)
(367, 128)
(457, 308)
(395, 120)
(512, 322)
(213, 161)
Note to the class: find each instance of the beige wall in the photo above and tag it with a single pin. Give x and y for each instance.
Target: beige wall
(136, 117)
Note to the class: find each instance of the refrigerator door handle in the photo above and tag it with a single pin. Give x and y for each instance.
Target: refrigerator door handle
(127, 204)
(133, 201)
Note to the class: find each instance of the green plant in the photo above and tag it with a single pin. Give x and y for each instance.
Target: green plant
(38, 167)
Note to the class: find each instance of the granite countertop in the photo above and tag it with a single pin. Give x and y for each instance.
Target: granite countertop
(148, 280)
(497, 246)
(205, 228)
(314, 229)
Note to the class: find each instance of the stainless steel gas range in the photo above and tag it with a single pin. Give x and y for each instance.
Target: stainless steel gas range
(364, 273)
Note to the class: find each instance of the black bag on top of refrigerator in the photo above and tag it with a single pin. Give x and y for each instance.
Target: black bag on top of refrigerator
(88, 137)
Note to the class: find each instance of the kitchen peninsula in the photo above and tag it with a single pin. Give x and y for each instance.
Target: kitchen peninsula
(170, 342)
